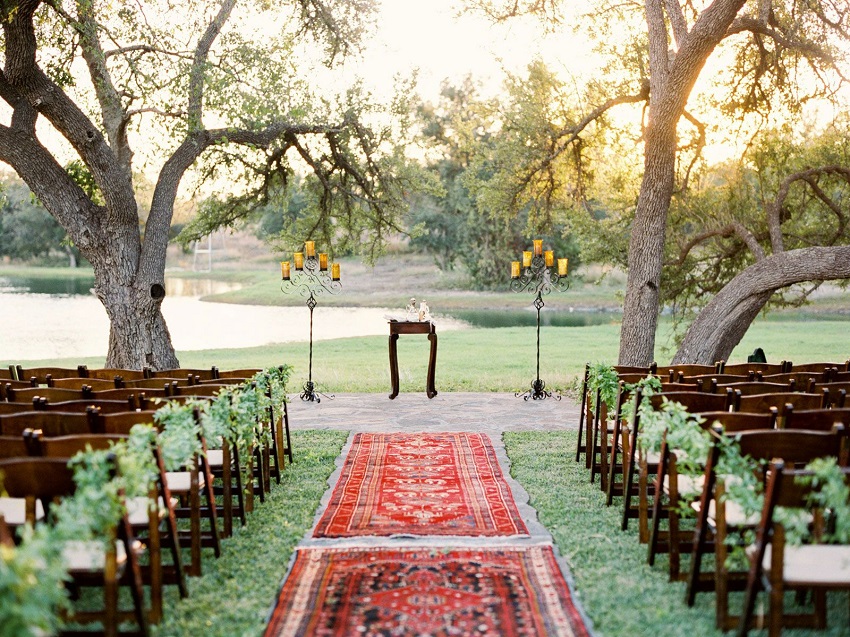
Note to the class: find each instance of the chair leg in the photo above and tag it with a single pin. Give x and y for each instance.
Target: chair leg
(288, 449)
(656, 508)
(579, 449)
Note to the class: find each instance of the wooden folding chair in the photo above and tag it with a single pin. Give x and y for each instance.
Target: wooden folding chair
(54, 394)
(187, 484)
(673, 372)
(777, 566)
(145, 515)
(183, 372)
(110, 373)
(89, 384)
(94, 563)
(717, 517)
(680, 489)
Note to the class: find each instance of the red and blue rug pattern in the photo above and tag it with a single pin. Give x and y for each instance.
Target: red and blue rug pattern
(421, 484)
(506, 592)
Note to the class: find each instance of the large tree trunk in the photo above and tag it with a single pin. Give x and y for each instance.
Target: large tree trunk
(722, 323)
(646, 248)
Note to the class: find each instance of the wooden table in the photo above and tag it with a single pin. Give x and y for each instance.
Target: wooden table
(413, 327)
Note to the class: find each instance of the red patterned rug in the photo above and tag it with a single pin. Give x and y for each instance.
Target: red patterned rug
(421, 484)
(506, 592)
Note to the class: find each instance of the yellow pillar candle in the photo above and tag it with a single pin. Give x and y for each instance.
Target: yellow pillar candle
(538, 247)
(335, 271)
(299, 260)
(323, 261)
(310, 248)
(549, 255)
(514, 269)
(284, 270)
(562, 267)
(526, 259)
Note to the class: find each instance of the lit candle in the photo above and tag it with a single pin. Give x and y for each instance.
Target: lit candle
(526, 259)
(335, 271)
(310, 248)
(284, 270)
(323, 261)
(538, 247)
(549, 255)
(299, 260)
(562, 267)
(514, 269)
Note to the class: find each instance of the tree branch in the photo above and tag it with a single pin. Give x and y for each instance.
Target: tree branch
(197, 72)
(677, 21)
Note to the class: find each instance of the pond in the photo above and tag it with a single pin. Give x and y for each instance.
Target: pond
(61, 318)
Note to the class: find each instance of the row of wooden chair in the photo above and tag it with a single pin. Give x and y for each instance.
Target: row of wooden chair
(43, 375)
(661, 498)
(191, 494)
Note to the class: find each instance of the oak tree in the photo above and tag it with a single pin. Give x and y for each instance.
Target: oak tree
(215, 89)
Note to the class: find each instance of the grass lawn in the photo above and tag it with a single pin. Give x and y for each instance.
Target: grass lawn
(236, 591)
(619, 591)
(498, 359)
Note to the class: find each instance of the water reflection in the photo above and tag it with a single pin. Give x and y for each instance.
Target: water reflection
(521, 318)
(82, 285)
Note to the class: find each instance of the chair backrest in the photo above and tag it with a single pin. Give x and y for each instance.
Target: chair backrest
(821, 367)
(759, 403)
(50, 393)
(746, 368)
(130, 395)
(52, 423)
(816, 419)
(41, 374)
(183, 372)
(12, 447)
(165, 384)
(8, 386)
(694, 402)
(67, 446)
(204, 389)
(631, 369)
(803, 381)
(123, 422)
(80, 383)
(109, 373)
(82, 406)
(672, 372)
(756, 387)
(735, 421)
(795, 446)
(41, 478)
(710, 382)
(8, 373)
(237, 373)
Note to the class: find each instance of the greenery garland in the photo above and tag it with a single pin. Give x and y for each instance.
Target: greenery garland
(604, 379)
(32, 572)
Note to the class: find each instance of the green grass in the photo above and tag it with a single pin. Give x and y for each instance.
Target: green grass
(237, 590)
(500, 359)
(619, 591)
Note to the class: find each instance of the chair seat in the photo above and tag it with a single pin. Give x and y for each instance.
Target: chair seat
(137, 510)
(735, 514)
(180, 481)
(89, 556)
(813, 565)
(14, 510)
(215, 458)
(687, 485)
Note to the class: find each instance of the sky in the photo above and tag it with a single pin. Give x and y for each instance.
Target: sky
(431, 36)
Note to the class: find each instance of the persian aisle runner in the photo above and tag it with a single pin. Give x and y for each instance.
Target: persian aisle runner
(442, 484)
(421, 484)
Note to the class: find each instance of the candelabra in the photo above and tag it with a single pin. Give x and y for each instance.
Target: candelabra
(311, 278)
(537, 275)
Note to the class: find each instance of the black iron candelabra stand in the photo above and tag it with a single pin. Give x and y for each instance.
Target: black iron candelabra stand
(309, 281)
(542, 279)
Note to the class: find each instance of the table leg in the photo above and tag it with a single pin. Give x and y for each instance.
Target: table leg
(431, 390)
(394, 364)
